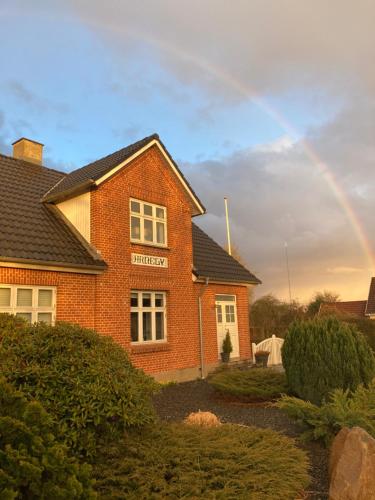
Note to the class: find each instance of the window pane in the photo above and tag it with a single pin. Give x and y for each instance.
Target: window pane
(45, 298)
(4, 297)
(160, 213)
(160, 237)
(134, 326)
(45, 317)
(148, 231)
(26, 316)
(135, 207)
(147, 335)
(134, 300)
(225, 298)
(135, 228)
(24, 297)
(219, 314)
(159, 324)
(147, 209)
(146, 299)
(159, 300)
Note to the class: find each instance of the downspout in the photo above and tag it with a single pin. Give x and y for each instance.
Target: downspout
(201, 326)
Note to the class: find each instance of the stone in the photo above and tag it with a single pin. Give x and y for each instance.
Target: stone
(202, 419)
(352, 465)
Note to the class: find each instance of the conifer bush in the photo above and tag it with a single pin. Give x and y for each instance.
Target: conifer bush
(323, 354)
(84, 381)
(343, 409)
(33, 464)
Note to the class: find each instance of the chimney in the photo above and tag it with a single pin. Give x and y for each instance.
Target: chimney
(28, 150)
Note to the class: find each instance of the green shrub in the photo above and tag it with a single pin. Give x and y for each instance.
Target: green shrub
(254, 384)
(84, 380)
(227, 344)
(32, 464)
(344, 409)
(323, 354)
(179, 461)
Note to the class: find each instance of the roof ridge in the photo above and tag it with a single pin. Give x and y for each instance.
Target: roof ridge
(147, 138)
(32, 163)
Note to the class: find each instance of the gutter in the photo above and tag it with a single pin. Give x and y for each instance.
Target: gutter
(201, 350)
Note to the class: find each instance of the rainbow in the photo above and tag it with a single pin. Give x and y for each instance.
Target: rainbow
(245, 90)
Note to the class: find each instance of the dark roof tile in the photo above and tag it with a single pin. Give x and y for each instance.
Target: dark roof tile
(212, 261)
(28, 229)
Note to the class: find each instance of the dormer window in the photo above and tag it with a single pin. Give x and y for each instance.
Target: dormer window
(148, 223)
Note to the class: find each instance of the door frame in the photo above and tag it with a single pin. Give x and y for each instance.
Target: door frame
(221, 326)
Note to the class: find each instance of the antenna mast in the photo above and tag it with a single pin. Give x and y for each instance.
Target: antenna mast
(287, 269)
(227, 219)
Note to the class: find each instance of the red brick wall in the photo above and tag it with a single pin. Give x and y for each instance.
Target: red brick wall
(149, 179)
(75, 292)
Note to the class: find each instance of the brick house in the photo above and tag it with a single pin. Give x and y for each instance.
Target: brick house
(112, 246)
(360, 308)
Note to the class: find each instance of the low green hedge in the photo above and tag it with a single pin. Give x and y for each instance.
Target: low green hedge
(85, 381)
(33, 464)
(253, 384)
(179, 461)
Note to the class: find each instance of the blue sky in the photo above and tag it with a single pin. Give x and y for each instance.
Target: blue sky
(87, 78)
(68, 88)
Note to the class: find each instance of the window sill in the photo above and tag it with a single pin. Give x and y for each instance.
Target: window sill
(145, 348)
(152, 245)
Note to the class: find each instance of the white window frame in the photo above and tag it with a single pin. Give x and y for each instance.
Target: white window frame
(152, 309)
(34, 309)
(151, 218)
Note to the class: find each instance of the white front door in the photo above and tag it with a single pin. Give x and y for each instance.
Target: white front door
(226, 321)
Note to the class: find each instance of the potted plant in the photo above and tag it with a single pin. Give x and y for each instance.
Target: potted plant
(227, 348)
(261, 358)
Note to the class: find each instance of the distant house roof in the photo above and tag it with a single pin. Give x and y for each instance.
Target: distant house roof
(370, 309)
(212, 261)
(83, 178)
(354, 307)
(34, 232)
(30, 231)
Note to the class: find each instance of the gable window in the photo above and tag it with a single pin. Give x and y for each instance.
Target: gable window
(147, 316)
(34, 304)
(148, 223)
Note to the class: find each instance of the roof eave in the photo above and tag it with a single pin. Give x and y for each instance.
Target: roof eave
(201, 277)
(69, 193)
(86, 268)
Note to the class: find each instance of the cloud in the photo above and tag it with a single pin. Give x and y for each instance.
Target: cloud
(277, 193)
(269, 46)
(31, 99)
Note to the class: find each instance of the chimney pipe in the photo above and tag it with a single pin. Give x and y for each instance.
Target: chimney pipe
(28, 150)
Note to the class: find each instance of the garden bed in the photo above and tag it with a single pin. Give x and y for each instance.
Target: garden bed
(176, 401)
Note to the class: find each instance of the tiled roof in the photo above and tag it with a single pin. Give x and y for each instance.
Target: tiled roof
(212, 261)
(28, 229)
(354, 307)
(95, 170)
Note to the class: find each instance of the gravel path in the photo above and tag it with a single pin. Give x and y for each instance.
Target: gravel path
(175, 402)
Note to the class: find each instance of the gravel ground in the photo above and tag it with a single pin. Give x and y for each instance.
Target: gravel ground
(176, 401)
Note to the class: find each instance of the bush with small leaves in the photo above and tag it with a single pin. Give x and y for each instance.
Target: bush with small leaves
(323, 354)
(85, 381)
(33, 464)
(344, 409)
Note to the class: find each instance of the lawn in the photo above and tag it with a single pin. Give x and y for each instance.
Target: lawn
(253, 384)
(179, 461)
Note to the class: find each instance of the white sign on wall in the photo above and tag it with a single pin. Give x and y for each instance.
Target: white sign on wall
(149, 260)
